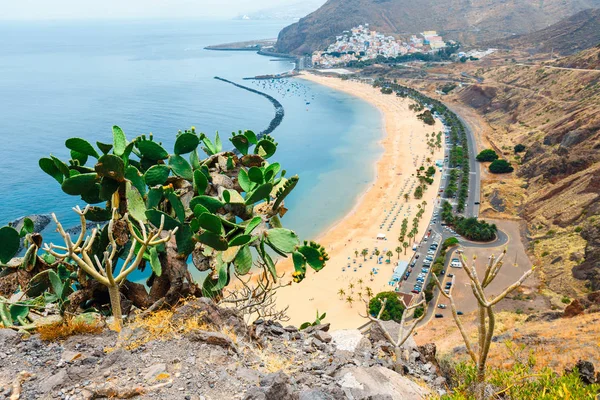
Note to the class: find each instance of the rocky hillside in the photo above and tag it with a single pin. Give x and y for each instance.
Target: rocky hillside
(568, 36)
(588, 59)
(555, 114)
(464, 20)
(202, 352)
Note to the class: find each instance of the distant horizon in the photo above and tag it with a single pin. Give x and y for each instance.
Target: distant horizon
(41, 10)
(149, 18)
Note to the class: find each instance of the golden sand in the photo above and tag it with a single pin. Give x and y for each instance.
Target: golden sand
(405, 150)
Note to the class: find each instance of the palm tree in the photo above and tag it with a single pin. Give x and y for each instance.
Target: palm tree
(351, 287)
(359, 294)
(342, 293)
(389, 254)
(406, 196)
(356, 253)
(349, 300)
(364, 253)
(410, 236)
(372, 274)
(428, 160)
(405, 245)
(369, 292)
(398, 250)
(377, 253)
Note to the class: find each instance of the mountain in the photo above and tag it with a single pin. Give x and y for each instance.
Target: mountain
(288, 12)
(554, 112)
(568, 36)
(468, 21)
(588, 59)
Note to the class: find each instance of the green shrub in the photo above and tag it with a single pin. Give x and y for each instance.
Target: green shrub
(487, 155)
(418, 312)
(545, 253)
(427, 117)
(393, 308)
(501, 167)
(521, 382)
(519, 148)
(578, 229)
(451, 241)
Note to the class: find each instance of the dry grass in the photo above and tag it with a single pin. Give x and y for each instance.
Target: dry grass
(65, 329)
(274, 361)
(556, 344)
(161, 326)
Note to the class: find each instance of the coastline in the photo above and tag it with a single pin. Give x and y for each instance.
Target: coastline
(404, 148)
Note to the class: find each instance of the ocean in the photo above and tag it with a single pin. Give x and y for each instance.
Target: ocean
(76, 79)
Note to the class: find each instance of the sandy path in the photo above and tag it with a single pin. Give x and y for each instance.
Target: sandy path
(405, 149)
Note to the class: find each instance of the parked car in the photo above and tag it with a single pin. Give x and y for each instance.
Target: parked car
(455, 263)
(425, 270)
(447, 291)
(413, 263)
(417, 256)
(450, 275)
(439, 316)
(443, 306)
(459, 313)
(477, 203)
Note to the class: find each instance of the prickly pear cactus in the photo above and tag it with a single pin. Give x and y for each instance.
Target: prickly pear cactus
(226, 206)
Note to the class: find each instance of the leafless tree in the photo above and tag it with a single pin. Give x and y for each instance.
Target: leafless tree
(486, 318)
(105, 270)
(405, 329)
(256, 297)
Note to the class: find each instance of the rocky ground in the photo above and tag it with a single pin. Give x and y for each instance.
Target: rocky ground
(202, 352)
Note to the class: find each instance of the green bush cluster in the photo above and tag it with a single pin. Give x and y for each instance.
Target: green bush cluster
(487, 155)
(470, 228)
(501, 167)
(393, 307)
(519, 148)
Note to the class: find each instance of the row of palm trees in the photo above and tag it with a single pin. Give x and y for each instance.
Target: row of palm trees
(348, 296)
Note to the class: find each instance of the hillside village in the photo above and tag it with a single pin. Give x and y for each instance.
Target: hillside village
(362, 43)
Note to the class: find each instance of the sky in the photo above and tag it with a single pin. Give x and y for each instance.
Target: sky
(86, 9)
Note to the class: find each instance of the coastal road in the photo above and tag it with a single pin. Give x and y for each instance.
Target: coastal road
(439, 232)
(473, 199)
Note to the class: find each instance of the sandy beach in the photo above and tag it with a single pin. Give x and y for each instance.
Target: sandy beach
(405, 150)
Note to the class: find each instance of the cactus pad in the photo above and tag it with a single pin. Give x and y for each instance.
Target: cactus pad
(157, 175)
(181, 167)
(186, 143)
(9, 238)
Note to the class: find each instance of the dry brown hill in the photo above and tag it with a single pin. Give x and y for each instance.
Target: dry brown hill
(588, 59)
(555, 113)
(466, 20)
(568, 36)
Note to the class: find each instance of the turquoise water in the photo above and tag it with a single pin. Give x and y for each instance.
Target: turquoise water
(64, 79)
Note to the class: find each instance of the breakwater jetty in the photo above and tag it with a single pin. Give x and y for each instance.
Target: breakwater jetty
(279, 111)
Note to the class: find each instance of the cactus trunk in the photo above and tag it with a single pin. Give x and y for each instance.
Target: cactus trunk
(115, 305)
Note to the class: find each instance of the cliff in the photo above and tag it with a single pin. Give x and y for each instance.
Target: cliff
(555, 113)
(463, 20)
(568, 36)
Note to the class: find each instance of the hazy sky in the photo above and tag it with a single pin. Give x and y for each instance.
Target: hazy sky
(79, 9)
